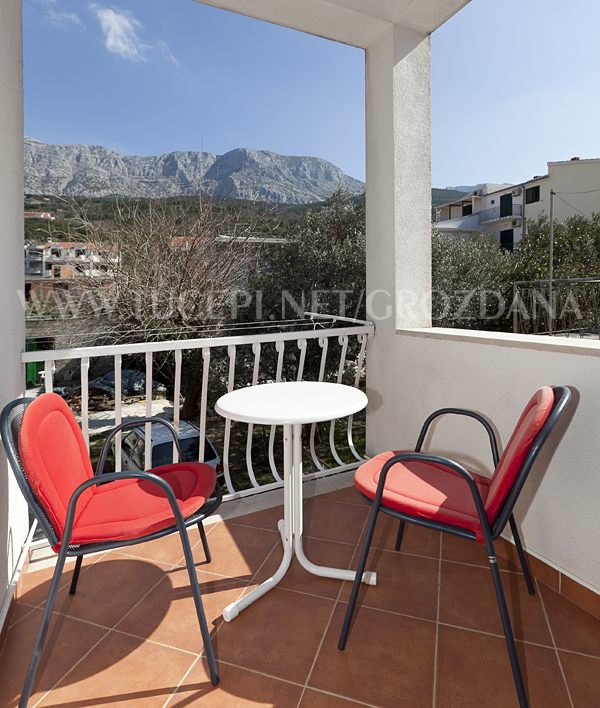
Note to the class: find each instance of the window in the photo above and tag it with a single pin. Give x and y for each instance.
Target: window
(467, 209)
(532, 194)
(507, 239)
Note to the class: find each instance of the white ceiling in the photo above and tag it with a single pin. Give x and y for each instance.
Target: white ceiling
(355, 22)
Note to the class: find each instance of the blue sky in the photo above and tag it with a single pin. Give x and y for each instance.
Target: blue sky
(515, 84)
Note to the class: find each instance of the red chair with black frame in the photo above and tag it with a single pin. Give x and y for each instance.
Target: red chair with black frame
(439, 493)
(81, 512)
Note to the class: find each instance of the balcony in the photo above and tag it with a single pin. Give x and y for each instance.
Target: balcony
(428, 634)
(497, 213)
(429, 629)
(433, 604)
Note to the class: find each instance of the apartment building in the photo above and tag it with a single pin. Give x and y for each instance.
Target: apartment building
(59, 263)
(503, 209)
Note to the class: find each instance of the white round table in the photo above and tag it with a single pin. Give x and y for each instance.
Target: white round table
(291, 404)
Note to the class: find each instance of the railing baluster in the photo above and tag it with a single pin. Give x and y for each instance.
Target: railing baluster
(85, 422)
(362, 338)
(280, 347)
(324, 344)
(49, 376)
(302, 348)
(118, 436)
(343, 340)
(177, 399)
(256, 351)
(301, 338)
(226, 440)
(203, 401)
(148, 426)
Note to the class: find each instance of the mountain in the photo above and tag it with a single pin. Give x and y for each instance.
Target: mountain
(443, 196)
(255, 175)
(468, 188)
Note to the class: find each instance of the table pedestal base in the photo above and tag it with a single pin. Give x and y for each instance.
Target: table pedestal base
(290, 528)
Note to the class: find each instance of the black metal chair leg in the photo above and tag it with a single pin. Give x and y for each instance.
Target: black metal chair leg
(208, 647)
(508, 634)
(400, 534)
(204, 540)
(75, 578)
(358, 579)
(522, 556)
(43, 630)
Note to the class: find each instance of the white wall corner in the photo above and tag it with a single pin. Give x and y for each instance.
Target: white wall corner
(13, 511)
(398, 124)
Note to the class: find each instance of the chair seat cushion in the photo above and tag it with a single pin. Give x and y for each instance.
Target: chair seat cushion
(131, 508)
(424, 490)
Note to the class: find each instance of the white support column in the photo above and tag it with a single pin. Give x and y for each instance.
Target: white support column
(398, 92)
(13, 511)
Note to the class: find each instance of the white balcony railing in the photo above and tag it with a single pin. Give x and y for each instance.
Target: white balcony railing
(348, 335)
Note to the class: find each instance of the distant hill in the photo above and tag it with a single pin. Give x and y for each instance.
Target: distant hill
(443, 196)
(254, 175)
(468, 188)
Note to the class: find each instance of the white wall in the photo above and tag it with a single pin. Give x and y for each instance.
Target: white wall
(398, 195)
(567, 177)
(13, 514)
(420, 372)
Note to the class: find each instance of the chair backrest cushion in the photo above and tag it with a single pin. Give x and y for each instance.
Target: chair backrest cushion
(507, 471)
(54, 456)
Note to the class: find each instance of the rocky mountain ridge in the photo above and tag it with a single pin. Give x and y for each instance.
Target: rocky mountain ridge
(243, 173)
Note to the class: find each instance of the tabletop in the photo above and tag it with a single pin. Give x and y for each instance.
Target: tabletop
(291, 402)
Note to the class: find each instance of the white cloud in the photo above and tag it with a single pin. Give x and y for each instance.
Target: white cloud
(120, 30)
(64, 18)
(122, 35)
(57, 17)
(166, 52)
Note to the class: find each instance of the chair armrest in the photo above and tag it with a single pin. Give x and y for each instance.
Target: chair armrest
(438, 460)
(135, 424)
(114, 477)
(469, 414)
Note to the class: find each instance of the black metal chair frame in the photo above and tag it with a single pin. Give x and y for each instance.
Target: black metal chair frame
(562, 396)
(11, 414)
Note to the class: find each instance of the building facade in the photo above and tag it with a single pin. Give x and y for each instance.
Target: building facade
(61, 263)
(503, 210)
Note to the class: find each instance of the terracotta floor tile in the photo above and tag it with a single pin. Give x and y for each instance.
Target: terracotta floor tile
(110, 588)
(329, 553)
(463, 550)
(279, 635)
(350, 495)
(417, 539)
(474, 671)
(583, 679)
(164, 550)
(581, 596)
(238, 688)
(34, 584)
(316, 699)
(168, 613)
(17, 612)
(333, 521)
(265, 519)
(572, 627)
(405, 584)
(237, 551)
(122, 671)
(388, 660)
(468, 600)
(67, 641)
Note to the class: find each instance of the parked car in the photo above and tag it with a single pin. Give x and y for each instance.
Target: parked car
(133, 383)
(133, 447)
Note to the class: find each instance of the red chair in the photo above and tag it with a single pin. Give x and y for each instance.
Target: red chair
(438, 493)
(81, 512)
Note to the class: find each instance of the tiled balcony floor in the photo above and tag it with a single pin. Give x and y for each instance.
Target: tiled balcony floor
(428, 634)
